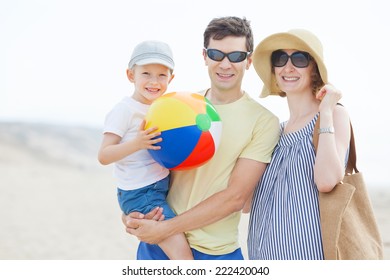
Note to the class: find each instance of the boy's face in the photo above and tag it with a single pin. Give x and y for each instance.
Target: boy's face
(150, 81)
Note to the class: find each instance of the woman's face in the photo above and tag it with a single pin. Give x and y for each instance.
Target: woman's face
(289, 77)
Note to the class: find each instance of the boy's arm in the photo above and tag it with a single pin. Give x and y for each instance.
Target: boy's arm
(245, 176)
(111, 150)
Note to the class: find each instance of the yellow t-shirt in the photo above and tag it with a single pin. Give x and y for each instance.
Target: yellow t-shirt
(248, 131)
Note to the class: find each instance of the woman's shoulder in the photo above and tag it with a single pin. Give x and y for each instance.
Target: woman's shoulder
(341, 113)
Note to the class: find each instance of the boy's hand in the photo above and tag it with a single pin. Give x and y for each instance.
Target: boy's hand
(147, 138)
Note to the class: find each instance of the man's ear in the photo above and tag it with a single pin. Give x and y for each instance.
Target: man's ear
(249, 61)
(204, 57)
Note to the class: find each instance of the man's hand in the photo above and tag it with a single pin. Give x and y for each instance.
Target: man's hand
(131, 221)
(149, 231)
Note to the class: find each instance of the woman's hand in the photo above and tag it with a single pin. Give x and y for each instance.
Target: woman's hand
(329, 97)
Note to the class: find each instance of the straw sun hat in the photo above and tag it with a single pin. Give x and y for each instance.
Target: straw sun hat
(297, 39)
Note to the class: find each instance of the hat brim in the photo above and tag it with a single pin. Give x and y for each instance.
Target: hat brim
(285, 40)
(154, 60)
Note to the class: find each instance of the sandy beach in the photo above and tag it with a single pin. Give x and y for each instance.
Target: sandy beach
(58, 203)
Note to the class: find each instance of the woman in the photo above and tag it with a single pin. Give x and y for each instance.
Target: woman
(285, 221)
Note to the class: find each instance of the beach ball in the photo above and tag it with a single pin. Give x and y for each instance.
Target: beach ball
(190, 129)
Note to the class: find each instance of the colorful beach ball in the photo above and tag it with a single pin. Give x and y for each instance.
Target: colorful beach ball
(190, 128)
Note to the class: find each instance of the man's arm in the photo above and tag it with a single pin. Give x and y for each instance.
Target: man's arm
(242, 183)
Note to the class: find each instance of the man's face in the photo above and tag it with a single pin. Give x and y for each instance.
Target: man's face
(224, 74)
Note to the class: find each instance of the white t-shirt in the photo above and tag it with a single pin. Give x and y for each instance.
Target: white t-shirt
(138, 169)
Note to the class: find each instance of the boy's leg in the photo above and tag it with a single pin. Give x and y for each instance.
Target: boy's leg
(176, 247)
(150, 252)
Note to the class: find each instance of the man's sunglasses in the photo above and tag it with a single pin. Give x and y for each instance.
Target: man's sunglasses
(298, 59)
(233, 57)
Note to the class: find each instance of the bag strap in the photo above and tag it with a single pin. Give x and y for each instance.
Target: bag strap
(351, 165)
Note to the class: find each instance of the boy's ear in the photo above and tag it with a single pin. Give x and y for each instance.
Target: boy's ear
(172, 76)
(130, 75)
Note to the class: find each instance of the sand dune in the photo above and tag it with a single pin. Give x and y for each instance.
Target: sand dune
(57, 202)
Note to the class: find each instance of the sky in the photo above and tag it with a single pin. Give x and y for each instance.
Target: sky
(64, 61)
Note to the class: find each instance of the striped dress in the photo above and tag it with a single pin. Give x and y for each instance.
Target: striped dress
(285, 222)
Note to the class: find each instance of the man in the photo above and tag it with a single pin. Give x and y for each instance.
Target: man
(209, 199)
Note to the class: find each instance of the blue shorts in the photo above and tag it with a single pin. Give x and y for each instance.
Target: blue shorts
(146, 199)
(153, 252)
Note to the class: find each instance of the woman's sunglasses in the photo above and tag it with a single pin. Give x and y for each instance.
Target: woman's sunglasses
(233, 57)
(298, 59)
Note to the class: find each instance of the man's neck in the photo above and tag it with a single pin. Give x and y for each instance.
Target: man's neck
(218, 97)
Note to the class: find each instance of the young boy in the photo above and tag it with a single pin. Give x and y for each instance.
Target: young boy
(142, 183)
